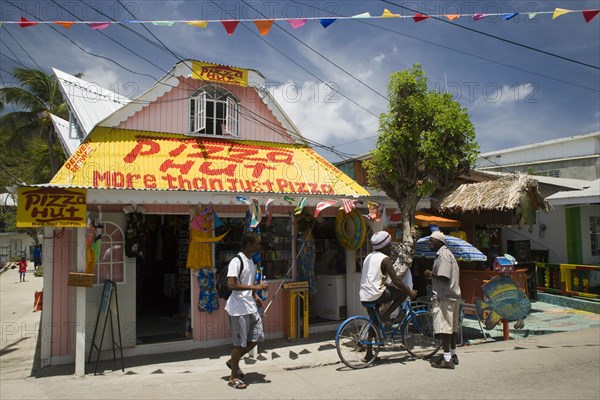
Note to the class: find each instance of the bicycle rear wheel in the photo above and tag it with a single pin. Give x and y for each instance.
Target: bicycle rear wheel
(419, 336)
(355, 339)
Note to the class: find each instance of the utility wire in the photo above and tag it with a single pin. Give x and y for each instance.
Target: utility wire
(19, 44)
(495, 37)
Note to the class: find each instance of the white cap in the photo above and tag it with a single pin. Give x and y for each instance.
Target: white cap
(380, 239)
(439, 236)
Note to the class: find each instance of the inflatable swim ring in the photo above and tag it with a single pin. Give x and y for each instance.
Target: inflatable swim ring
(350, 229)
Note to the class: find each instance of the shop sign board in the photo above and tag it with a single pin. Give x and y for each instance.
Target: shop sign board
(58, 207)
(219, 73)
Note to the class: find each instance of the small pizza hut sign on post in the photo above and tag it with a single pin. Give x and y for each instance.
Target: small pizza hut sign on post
(57, 207)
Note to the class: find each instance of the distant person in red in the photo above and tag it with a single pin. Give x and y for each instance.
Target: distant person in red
(22, 269)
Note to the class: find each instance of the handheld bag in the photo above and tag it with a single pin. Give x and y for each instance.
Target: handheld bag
(221, 283)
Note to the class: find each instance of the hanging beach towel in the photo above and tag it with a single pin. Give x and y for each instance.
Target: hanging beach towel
(208, 300)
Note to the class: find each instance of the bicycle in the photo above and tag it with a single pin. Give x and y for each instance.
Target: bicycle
(412, 327)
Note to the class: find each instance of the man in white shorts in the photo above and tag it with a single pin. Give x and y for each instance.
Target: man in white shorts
(446, 298)
(242, 306)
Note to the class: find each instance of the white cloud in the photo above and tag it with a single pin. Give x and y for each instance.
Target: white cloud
(379, 58)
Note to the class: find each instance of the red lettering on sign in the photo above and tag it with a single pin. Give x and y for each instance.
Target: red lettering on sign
(281, 157)
(205, 168)
(199, 183)
(98, 179)
(258, 168)
(232, 184)
(183, 168)
(170, 181)
(150, 181)
(215, 184)
(144, 147)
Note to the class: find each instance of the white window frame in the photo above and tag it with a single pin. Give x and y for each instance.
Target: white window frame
(111, 262)
(199, 103)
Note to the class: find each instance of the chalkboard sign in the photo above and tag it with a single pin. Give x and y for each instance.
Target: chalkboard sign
(106, 296)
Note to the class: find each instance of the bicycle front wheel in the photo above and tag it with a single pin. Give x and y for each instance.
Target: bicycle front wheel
(357, 342)
(419, 336)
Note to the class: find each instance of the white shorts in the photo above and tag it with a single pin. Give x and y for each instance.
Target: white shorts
(445, 316)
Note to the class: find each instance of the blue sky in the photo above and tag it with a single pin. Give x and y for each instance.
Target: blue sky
(514, 95)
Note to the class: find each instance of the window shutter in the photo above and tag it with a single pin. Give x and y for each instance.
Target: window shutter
(201, 112)
(231, 117)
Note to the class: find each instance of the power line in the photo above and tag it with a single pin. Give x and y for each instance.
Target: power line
(496, 37)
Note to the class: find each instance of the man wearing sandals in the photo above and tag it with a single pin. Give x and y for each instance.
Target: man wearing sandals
(376, 268)
(242, 306)
(446, 299)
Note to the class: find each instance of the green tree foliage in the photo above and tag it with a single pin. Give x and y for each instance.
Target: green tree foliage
(426, 139)
(34, 99)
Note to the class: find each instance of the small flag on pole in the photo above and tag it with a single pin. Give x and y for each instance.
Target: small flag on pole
(348, 205)
(323, 205)
(300, 206)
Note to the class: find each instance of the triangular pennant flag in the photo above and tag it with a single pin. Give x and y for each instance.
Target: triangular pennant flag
(418, 17)
(325, 22)
(560, 11)
(509, 16)
(163, 23)
(452, 17)
(388, 14)
(25, 23)
(230, 26)
(590, 15)
(300, 206)
(532, 15)
(256, 213)
(297, 23)
(98, 26)
(478, 16)
(363, 15)
(268, 212)
(199, 24)
(263, 26)
(290, 200)
(65, 24)
(323, 205)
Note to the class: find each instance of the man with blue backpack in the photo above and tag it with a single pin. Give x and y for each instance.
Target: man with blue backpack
(242, 306)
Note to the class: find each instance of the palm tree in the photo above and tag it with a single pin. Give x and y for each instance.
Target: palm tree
(37, 96)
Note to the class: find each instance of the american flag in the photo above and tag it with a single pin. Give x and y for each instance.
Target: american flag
(323, 205)
(348, 205)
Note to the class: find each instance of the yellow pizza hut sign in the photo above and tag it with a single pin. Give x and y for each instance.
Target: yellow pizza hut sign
(57, 207)
(219, 73)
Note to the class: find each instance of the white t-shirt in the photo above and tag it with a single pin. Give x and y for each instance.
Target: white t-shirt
(241, 302)
(372, 281)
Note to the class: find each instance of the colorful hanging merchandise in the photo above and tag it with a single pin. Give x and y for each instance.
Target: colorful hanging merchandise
(93, 243)
(201, 239)
(306, 252)
(207, 299)
(134, 233)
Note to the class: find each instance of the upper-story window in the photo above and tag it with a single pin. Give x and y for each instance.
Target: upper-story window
(214, 111)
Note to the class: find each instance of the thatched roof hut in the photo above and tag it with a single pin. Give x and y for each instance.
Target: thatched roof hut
(507, 201)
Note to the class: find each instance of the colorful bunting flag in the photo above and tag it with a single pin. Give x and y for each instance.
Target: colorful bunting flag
(256, 213)
(162, 23)
(24, 23)
(230, 26)
(509, 16)
(199, 24)
(532, 15)
(290, 200)
(560, 11)
(323, 205)
(263, 26)
(589, 15)
(420, 17)
(388, 14)
(452, 17)
(363, 15)
(99, 26)
(300, 206)
(478, 16)
(297, 23)
(268, 212)
(325, 22)
(65, 24)
(348, 205)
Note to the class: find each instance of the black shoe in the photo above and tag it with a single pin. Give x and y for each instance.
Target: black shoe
(455, 359)
(441, 363)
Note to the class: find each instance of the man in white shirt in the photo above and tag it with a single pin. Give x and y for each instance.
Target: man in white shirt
(446, 298)
(242, 306)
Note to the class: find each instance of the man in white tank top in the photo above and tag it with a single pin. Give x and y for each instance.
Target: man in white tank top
(376, 268)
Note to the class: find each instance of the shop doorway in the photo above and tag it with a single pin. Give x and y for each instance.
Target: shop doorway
(162, 281)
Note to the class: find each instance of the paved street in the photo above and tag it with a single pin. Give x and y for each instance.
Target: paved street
(545, 366)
